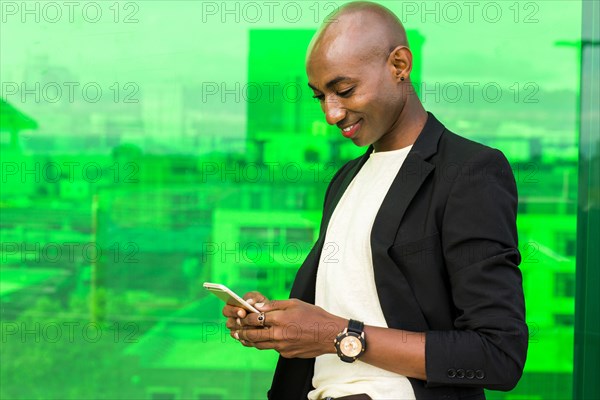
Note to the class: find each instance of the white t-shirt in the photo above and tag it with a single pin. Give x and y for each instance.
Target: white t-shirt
(346, 285)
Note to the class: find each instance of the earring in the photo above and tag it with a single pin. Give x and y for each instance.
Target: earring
(401, 78)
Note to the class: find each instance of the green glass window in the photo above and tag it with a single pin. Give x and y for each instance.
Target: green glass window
(150, 146)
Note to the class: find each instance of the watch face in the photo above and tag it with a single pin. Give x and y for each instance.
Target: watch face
(350, 346)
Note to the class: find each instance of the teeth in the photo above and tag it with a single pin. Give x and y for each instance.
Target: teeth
(348, 128)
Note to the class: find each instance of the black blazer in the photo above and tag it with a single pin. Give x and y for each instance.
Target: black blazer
(445, 260)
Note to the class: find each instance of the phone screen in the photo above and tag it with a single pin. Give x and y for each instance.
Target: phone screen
(228, 296)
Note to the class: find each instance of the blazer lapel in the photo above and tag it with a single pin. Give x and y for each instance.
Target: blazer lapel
(413, 172)
(392, 287)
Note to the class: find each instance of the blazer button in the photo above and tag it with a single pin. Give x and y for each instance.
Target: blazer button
(451, 373)
(460, 373)
(470, 374)
(479, 374)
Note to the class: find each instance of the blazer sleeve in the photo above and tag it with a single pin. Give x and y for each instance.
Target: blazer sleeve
(488, 345)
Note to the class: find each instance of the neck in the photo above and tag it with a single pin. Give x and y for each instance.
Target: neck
(410, 124)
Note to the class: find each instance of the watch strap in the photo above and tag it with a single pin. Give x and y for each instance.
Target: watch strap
(355, 326)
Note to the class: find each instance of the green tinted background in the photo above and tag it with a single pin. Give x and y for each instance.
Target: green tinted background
(150, 146)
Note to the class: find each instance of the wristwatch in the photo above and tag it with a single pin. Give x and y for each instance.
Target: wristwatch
(350, 343)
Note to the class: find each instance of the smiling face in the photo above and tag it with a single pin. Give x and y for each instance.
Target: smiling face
(359, 97)
(356, 74)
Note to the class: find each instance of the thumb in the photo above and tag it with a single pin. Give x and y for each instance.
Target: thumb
(272, 305)
(254, 297)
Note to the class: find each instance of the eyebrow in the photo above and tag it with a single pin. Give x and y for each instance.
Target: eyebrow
(332, 82)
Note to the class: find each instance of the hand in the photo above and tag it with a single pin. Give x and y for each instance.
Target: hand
(234, 314)
(293, 328)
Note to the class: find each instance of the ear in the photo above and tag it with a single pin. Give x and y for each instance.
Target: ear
(400, 60)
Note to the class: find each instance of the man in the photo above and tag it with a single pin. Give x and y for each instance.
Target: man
(412, 290)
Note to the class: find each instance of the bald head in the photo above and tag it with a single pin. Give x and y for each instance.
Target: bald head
(363, 29)
(358, 67)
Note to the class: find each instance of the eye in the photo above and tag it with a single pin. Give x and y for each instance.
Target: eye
(346, 93)
(319, 97)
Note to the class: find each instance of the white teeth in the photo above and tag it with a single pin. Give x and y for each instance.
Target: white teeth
(348, 128)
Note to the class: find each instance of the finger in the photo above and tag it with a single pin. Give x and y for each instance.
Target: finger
(271, 319)
(266, 345)
(233, 323)
(254, 336)
(233, 311)
(254, 320)
(236, 335)
(246, 343)
(274, 305)
(254, 297)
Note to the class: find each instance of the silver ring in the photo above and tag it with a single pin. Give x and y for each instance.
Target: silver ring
(261, 318)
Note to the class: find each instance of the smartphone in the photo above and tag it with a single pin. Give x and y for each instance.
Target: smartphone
(228, 296)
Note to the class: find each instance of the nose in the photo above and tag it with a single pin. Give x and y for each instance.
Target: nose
(334, 112)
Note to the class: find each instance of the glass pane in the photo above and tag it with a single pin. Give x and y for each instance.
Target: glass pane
(149, 146)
